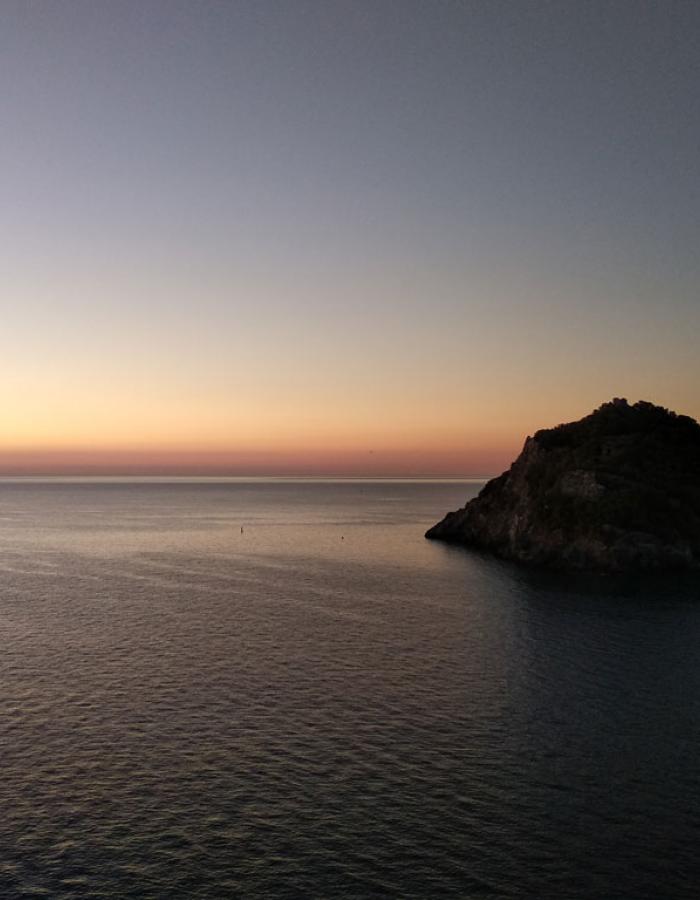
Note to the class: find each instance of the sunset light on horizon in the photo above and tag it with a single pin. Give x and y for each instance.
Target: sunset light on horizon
(296, 239)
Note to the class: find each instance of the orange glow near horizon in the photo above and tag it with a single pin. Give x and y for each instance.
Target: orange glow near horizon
(421, 431)
(169, 462)
(309, 375)
(352, 457)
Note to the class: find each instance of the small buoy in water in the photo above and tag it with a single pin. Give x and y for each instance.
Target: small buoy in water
(342, 537)
(241, 529)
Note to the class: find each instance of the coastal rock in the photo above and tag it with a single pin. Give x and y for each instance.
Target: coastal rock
(617, 490)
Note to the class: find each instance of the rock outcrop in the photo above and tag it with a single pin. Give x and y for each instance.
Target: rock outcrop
(618, 490)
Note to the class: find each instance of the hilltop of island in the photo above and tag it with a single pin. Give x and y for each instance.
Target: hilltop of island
(618, 490)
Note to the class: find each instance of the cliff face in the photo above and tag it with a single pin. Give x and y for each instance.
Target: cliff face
(617, 490)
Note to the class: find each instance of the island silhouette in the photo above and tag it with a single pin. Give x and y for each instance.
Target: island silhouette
(617, 490)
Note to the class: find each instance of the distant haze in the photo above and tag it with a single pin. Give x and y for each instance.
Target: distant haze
(341, 237)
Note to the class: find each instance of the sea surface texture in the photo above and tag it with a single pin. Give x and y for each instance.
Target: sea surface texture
(280, 689)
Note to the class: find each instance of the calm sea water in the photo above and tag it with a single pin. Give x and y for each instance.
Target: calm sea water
(325, 705)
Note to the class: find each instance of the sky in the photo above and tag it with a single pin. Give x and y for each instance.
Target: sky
(340, 237)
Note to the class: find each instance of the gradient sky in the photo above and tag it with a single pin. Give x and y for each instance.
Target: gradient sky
(358, 237)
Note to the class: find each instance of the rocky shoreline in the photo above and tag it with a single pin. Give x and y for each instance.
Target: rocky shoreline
(618, 490)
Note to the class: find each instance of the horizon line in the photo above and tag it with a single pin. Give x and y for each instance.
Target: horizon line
(279, 476)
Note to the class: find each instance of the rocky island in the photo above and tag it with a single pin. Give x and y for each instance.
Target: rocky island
(618, 490)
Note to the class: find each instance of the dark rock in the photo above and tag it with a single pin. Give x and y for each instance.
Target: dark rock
(617, 490)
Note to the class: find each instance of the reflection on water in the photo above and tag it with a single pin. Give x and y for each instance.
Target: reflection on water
(327, 705)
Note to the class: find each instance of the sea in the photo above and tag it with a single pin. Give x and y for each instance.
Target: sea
(274, 688)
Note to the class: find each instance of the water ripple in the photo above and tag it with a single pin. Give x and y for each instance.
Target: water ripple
(314, 718)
